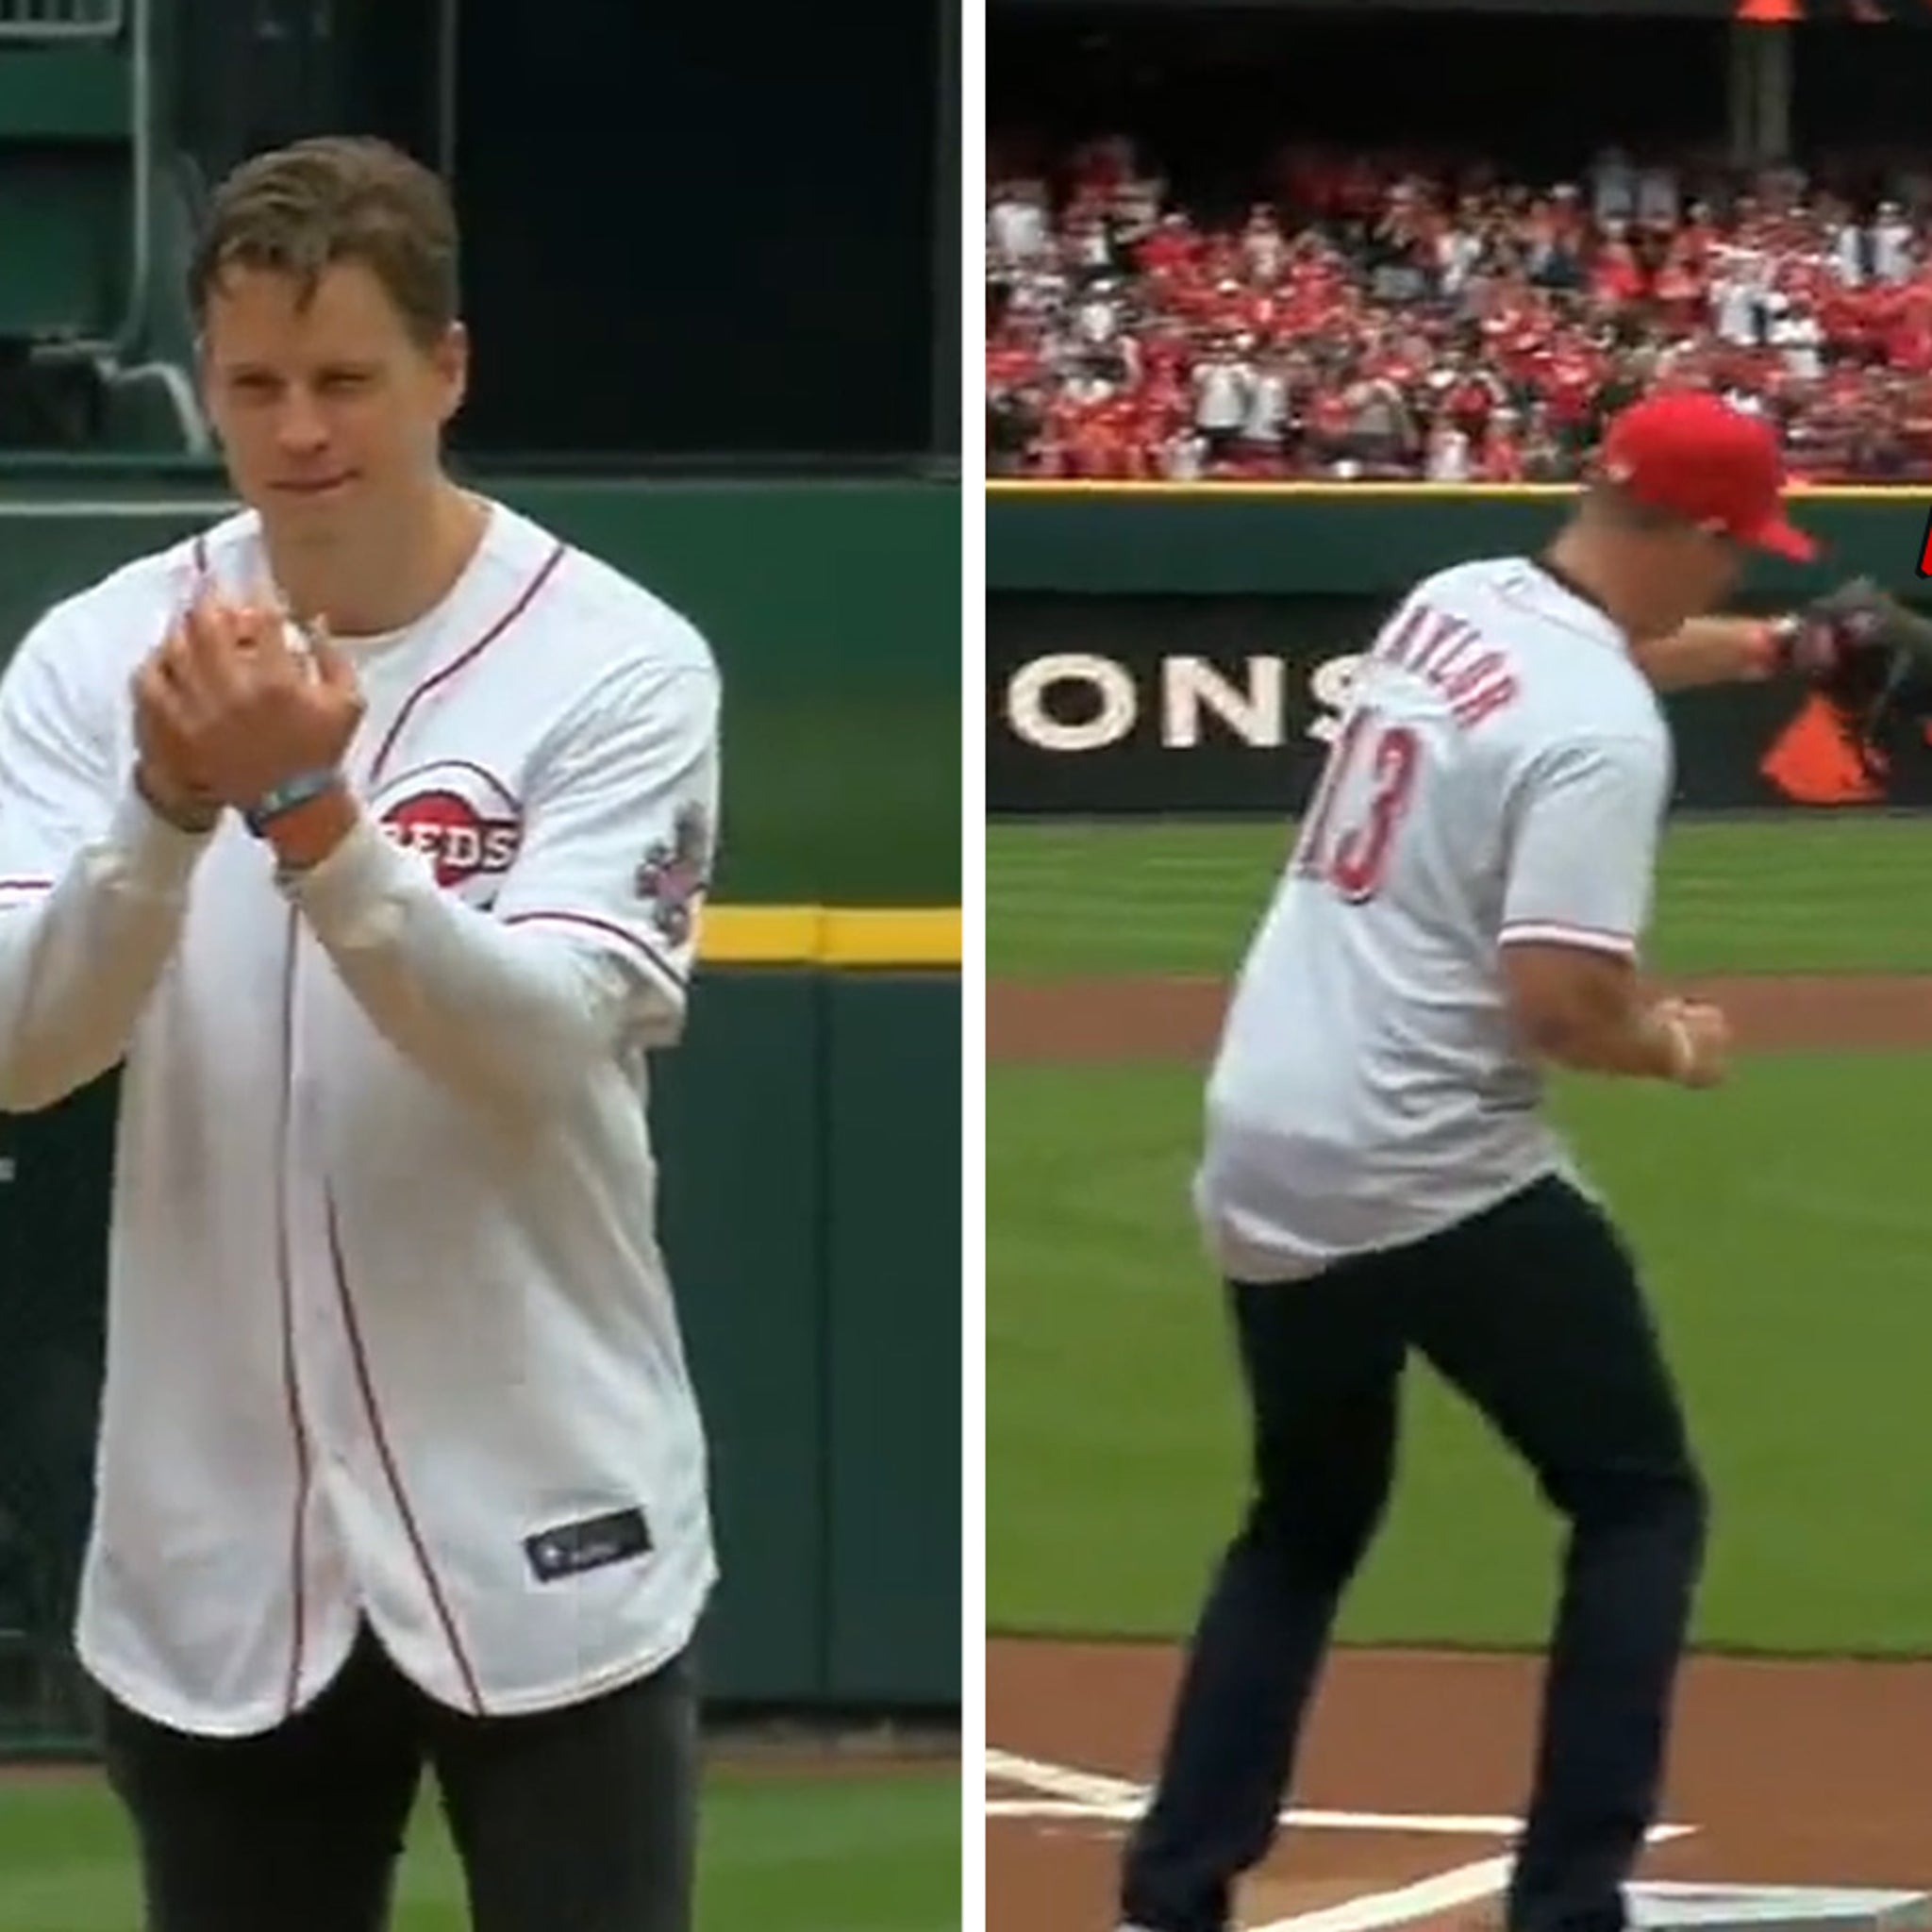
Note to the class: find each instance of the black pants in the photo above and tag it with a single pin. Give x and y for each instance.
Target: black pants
(1534, 1311)
(578, 1820)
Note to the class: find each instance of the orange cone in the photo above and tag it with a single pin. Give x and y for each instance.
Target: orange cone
(1811, 763)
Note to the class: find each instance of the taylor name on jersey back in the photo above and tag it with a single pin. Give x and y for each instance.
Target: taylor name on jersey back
(1449, 653)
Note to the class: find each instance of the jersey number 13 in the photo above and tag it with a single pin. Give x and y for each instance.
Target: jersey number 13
(1359, 805)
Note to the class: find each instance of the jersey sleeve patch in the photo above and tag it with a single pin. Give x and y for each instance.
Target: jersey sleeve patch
(675, 874)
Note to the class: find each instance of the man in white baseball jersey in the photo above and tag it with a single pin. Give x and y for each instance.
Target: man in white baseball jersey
(400, 1461)
(1465, 902)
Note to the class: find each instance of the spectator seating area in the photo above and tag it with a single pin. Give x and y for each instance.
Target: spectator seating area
(95, 212)
(1384, 316)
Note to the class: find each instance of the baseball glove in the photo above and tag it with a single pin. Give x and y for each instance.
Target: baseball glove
(1870, 659)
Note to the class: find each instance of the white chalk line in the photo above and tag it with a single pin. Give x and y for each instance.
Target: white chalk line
(1065, 1791)
(1044, 1810)
(1063, 1780)
(1123, 1810)
(1105, 1795)
(1461, 1885)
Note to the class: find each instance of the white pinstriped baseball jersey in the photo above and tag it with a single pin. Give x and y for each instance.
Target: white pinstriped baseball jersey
(389, 1332)
(1501, 774)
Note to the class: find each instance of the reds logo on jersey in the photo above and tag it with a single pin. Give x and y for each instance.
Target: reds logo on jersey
(461, 818)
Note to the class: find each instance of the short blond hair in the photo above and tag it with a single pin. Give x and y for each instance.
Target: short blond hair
(296, 210)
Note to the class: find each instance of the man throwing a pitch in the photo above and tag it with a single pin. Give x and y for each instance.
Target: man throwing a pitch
(1465, 905)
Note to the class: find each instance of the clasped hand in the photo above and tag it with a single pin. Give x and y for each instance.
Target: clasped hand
(225, 710)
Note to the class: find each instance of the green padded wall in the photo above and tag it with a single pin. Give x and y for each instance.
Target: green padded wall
(893, 1331)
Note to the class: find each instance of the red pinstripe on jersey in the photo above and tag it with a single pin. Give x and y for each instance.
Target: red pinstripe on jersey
(291, 1384)
(525, 598)
(345, 1298)
(608, 928)
(390, 1468)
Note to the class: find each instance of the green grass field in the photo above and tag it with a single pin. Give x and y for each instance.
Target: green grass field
(1786, 1225)
(848, 1853)
(1833, 895)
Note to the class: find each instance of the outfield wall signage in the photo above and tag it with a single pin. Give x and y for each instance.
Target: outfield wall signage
(1102, 706)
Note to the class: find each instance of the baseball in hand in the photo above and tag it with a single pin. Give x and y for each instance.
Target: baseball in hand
(1702, 1036)
(298, 637)
(242, 698)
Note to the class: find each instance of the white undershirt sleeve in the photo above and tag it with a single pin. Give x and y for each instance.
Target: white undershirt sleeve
(93, 886)
(591, 944)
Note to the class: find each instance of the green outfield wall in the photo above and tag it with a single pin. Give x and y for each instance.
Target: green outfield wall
(1358, 538)
(1179, 652)
(833, 607)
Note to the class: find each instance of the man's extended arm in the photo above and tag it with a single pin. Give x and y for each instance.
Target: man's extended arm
(1712, 650)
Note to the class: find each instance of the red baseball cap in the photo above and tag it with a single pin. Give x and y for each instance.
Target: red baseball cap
(1692, 454)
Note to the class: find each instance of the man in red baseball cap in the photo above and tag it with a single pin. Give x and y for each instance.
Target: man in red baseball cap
(1693, 455)
(1683, 489)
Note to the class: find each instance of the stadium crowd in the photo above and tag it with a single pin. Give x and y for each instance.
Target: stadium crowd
(1397, 316)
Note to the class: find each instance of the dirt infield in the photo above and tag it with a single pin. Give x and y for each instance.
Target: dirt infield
(1784, 1774)
(1175, 1019)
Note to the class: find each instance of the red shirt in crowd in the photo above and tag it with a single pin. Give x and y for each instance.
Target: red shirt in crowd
(1615, 278)
(1500, 460)
(1169, 250)
(1010, 364)
(1679, 294)
(1468, 405)
(1568, 385)
(1329, 418)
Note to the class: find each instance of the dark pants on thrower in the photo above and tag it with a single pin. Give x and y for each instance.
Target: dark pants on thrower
(577, 1820)
(1534, 1313)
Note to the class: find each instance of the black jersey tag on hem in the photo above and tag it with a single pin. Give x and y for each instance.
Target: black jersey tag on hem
(568, 1549)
